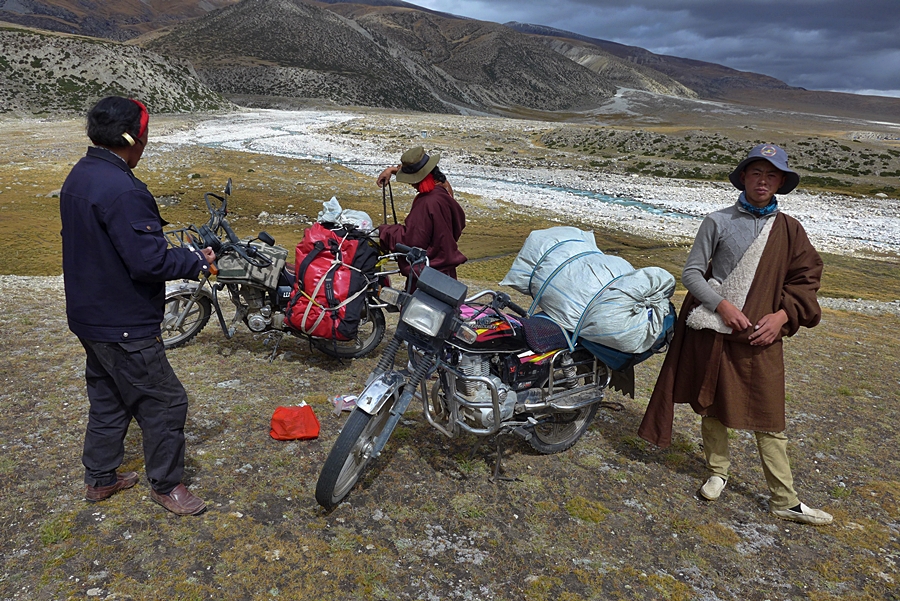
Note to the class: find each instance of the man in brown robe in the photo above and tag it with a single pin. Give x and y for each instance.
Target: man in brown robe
(435, 221)
(752, 277)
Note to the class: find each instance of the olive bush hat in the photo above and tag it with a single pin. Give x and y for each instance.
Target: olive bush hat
(415, 165)
(777, 157)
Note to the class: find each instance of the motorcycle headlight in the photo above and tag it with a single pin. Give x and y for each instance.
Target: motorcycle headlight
(424, 318)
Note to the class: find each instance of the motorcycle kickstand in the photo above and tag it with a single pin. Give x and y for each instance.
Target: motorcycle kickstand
(278, 336)
(498, 468)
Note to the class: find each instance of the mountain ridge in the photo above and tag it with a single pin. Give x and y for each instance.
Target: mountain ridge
(387, 54)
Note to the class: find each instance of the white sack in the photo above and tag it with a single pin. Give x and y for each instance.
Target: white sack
(349, 218)
(580, 287)
(629, 314)
(569, 240)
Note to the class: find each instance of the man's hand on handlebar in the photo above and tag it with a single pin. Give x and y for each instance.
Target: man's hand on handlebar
(210, 255)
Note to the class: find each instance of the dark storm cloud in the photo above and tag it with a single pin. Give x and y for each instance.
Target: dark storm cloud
(815, 44)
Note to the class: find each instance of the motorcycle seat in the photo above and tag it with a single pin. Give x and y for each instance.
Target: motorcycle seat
(290, 273)
(543, 334)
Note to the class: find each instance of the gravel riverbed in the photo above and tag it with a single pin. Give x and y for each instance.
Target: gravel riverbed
(659, 208)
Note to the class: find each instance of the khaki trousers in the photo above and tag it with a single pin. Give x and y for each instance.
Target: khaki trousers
(772, 448)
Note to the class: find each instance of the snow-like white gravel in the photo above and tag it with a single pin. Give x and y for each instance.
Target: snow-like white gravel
(659, 208)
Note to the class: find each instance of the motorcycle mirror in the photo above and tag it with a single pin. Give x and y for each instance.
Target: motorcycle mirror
(267, 239)
(228, 187)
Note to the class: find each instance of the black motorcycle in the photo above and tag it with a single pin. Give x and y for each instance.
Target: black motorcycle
(477, 370)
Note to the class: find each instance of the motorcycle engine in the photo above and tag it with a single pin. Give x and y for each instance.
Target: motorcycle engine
(259, 313)
(478, 392)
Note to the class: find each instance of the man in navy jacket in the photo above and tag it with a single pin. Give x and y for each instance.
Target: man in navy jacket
(115, 264)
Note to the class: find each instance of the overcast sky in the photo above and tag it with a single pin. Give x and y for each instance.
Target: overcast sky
(837, 45)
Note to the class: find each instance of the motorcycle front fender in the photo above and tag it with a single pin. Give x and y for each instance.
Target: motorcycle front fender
(187, 287)
(376, 394)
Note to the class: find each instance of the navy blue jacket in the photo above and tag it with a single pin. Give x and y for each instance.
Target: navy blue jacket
(115, 257)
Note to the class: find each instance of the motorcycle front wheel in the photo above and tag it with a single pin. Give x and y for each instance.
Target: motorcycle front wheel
(174, 336)
(350, 454)
(368, 337)
(560, 430)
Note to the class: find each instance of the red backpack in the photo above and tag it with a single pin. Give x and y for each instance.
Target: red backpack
(329, 291)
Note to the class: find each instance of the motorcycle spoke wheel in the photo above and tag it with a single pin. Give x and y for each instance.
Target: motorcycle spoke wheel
(195, 320)
(562, 430)
(368, 337)
(350, 455)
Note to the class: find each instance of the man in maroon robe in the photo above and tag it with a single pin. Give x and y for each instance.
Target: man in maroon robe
(435, 222)
(752, 277)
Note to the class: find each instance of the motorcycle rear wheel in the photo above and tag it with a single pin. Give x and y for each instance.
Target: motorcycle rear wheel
(563, 430)
(194, 321)
(350, 455)
(368, 337)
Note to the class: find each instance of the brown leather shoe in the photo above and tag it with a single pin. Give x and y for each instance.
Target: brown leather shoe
(99, 493)
(180, 501)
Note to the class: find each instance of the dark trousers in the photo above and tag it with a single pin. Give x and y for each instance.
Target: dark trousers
(133, 379)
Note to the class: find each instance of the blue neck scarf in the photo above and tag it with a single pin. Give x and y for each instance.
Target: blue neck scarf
(754, 210)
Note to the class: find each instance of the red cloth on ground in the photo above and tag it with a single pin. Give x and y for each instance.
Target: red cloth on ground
(294, 423)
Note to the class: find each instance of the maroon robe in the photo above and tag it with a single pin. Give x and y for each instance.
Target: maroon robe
(435, 223)
(724, 376)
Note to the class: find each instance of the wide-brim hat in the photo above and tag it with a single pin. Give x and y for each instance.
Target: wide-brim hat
(416, 164)
(777, 157)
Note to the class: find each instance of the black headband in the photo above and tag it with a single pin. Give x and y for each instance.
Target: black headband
(417, 166)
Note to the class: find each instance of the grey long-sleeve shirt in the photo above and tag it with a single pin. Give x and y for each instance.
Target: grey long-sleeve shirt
(723, 238)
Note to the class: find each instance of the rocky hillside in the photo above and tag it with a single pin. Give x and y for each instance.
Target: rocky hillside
(288, 48)
(119, 20)
(47, 73)
(470, 62)
(377, 53)
(709, 80)
(621, 72)
(392, 57)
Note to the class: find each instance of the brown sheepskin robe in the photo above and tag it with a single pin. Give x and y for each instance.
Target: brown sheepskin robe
(722, 375)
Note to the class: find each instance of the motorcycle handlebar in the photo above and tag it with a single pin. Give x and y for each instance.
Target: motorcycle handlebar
(522, 312)
(230, 232)
(502, 301)
(413, 254)
(499, 301)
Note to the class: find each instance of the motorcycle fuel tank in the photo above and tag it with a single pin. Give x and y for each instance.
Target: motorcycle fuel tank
(495, 332)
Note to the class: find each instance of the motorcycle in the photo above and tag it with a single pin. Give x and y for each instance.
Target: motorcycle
(477, 370)
(259, 280)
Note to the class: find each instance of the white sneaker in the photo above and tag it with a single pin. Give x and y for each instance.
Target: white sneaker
(806, 515)
(713, 488)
